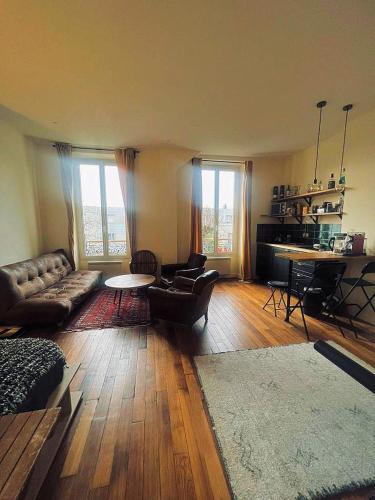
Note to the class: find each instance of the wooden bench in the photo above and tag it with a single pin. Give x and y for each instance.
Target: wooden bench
(22, 440)
(29, 441)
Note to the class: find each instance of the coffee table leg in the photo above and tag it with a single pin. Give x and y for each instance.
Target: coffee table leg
(114, 300)
(119, 304)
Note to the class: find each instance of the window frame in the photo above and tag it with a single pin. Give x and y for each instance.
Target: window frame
(228, 167)
(104, 215)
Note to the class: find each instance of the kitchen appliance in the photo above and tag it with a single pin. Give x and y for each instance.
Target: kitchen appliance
(337, 243)
(328, 206)
(278, 208)
(351, 243)
(355, 243)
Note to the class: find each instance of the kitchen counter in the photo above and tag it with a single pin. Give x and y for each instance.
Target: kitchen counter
(319, 256)
(286, 246)
(298, 258)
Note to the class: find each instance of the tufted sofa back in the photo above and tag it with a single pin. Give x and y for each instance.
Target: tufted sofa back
(23, 279)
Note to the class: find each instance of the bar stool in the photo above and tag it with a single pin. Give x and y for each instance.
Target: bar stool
(282, 287)
(363, 284)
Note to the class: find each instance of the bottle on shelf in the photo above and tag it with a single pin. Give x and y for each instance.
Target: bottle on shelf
(341, 203)
(342, 180)
(282, 191)
(320, 186)
(288, 190)
(275, 192)
(331, 182)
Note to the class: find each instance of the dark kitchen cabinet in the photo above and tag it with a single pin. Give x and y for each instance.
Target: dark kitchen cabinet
(264, 262)
(270, 267)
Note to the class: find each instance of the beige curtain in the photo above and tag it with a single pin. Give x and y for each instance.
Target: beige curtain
(64, 152)
(246, 222)
(196, 207)
(125, 163)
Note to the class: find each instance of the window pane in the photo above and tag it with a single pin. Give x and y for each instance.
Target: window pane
(91, 210)
(226, 198)
(208, 210)
(115, 212)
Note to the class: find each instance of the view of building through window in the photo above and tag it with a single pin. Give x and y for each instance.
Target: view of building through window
(103, 214)
(217, 210)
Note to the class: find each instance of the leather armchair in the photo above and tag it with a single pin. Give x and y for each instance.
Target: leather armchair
(186, 301)
(193, 268)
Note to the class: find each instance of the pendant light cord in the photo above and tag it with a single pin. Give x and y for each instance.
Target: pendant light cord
(320, 105)
(317, 147)
(346, 108)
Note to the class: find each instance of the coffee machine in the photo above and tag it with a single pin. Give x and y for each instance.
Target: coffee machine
(351, 243)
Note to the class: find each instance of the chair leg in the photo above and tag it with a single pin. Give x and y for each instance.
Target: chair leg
(206, 316)
(338, 324)
(353, 327)
(282, 297)
(274, 302)
(269, 300)
(304, 323)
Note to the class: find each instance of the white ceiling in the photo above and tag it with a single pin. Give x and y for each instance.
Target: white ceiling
(234, 77)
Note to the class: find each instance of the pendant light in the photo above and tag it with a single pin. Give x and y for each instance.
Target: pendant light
(346, 108)
(320, 105)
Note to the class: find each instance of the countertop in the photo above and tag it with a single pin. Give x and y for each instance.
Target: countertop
(321, 256)
(286, 246)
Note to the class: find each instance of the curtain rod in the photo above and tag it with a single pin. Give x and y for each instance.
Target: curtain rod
(224, 161)
(111, 150)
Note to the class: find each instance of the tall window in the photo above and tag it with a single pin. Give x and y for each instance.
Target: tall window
(218, 211)
(103, 228)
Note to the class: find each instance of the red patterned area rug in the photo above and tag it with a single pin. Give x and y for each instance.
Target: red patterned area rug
(100, 311)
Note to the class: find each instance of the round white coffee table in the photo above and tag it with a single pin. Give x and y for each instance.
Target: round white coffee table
(128, 282)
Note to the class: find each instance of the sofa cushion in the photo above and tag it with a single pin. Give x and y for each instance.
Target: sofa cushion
(24, 279)
(54, 304)
(36, 311)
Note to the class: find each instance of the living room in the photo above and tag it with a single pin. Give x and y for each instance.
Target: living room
(178, 184)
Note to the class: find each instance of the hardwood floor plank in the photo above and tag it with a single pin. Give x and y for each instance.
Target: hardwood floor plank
(198, 466)
(73, 459)
(151, 481)
(184, 477)
(165, 445)
(134, 489)
(119, 476)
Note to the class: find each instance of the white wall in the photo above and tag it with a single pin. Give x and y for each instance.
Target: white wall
(18, 208)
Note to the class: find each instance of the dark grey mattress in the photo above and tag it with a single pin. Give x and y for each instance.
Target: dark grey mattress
(30, 369)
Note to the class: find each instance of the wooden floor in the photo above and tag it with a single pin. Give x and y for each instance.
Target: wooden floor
(141, 430)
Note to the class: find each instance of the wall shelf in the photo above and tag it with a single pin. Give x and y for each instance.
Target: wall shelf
(299, 218)
(313, 194)
(307, 197)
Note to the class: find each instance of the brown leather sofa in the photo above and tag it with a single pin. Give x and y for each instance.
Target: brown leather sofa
(44, 290)
(186, 301)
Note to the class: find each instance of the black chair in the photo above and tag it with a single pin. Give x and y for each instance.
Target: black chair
(360, 282)
(282, 286)
(143, 262)
(193, 268)
(185, 302)
(326, 278)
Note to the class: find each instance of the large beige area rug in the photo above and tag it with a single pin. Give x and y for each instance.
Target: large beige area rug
(289, 423)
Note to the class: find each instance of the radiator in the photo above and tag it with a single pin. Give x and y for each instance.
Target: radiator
(109, 269)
